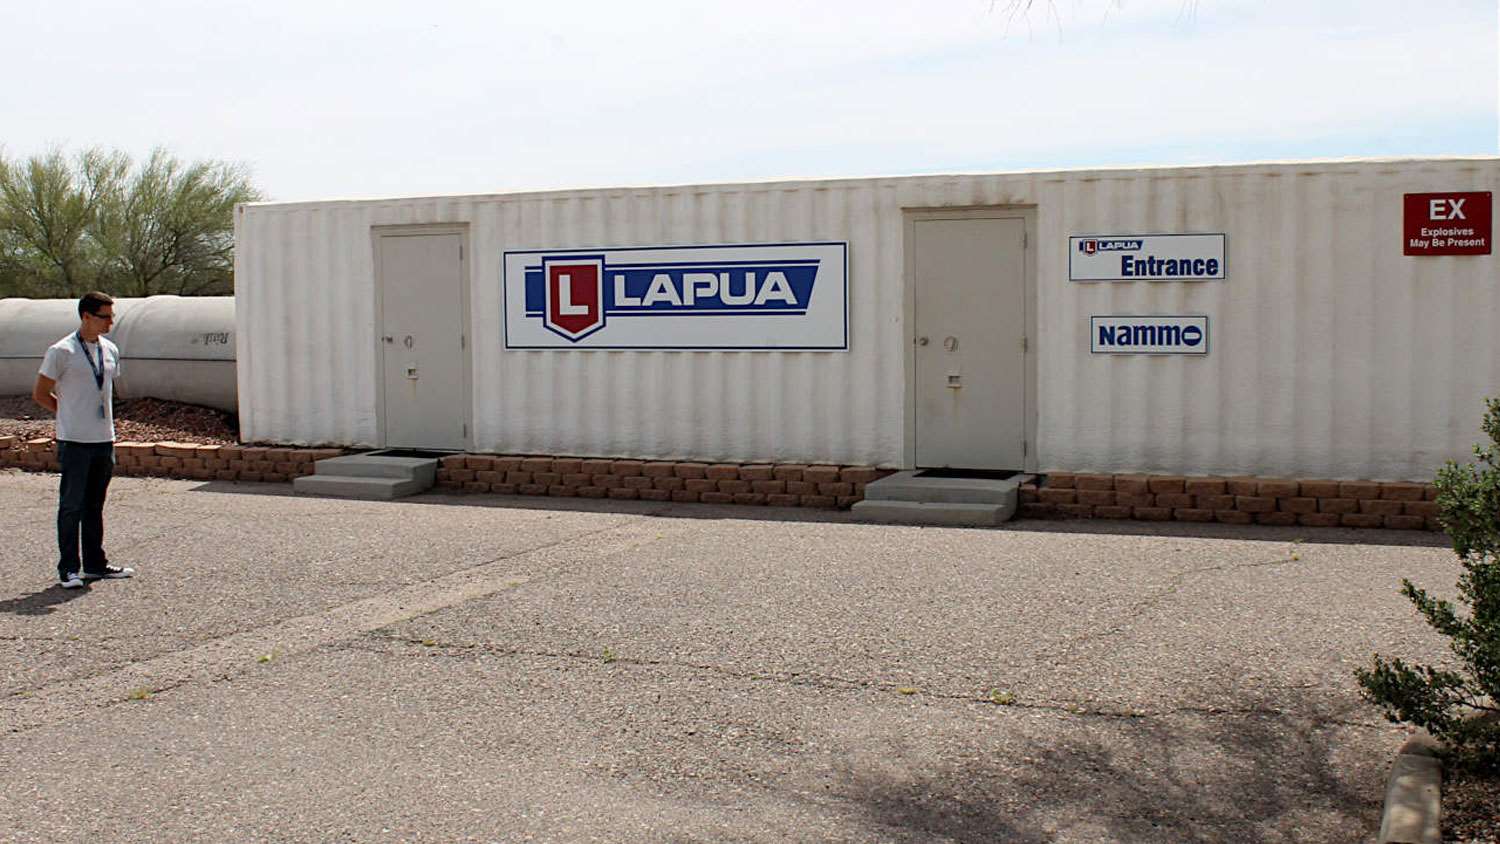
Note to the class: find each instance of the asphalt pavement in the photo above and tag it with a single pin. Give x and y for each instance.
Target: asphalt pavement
(483, 668)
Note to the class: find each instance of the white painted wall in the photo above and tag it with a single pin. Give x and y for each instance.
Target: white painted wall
(1333, 354)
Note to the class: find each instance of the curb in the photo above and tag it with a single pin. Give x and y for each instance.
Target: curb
(1413, 795)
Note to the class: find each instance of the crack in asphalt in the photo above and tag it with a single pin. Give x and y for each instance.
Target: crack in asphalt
(832, 682)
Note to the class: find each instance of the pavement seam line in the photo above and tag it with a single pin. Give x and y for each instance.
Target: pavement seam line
(236, 653)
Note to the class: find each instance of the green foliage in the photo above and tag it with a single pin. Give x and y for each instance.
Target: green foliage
(97, 221)
(1459, 707)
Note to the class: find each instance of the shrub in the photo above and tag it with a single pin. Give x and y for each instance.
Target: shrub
(1459, 707)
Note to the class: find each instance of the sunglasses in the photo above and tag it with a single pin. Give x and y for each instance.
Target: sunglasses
(106, 317)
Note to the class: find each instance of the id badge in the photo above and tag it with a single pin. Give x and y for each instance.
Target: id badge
(102, 413)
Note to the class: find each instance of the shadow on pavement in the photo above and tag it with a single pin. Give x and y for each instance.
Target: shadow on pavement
(1232, 777)
(1248, 533)
(42, 602)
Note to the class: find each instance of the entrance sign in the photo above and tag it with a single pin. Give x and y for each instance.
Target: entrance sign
(1148, 335)
(1447, 223)
(1146, 257)
(781, 296)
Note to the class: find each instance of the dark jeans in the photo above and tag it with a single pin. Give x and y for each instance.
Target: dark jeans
(86, 470)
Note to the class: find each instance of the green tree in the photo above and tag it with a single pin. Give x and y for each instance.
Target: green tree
(1461, 705)
(97, 221)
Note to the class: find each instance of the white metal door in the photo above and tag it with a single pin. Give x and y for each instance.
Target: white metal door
(421, 340)
(970, 355)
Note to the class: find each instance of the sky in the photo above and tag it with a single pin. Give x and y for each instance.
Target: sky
(324, 100)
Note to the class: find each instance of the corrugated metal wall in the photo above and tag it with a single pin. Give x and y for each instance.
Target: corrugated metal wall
(1332, 354)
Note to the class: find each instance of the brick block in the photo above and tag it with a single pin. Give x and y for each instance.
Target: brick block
(476, 486)
(658, 469)
(801, 488)
(1132, 484)
(824, 501)
(682, 496)
(597, 467)
(150, 461)
(1425, 509)
(486, 477)
(1317, 489)
(1405, 522)
(1048, 495)
(504, 489)
(846, 501)
(1276, 518)
(655, 494)
(836, 489)
(700, 485)
(1298, 505)
(624, 494)
(1402, 492)
(536, 464)
(1205, 486)
(531, 489)
(1038, 511)
(1233, 517)
(637, 482)
(768, 487)
(283, 468)
(859, 474)
(1380, 507)
(517, 478)
(479, 463)
(577, 479)
(560, 491)
(546, 478)
(505, 464)
(592, 492)
(749, 498)
(1152, 514)
(690, 470)
(567, 466)
(755, 472)
(1193, 514)
(1175, 500)
(1159, 484)
(1318, 519)
(193, 464)
(723, 472)
(788, 472)
(1027, 493)
(169, 462)
(1429, 492)
(253, 477)
(605, 481)
(1110, 511)
(1096, 482)
(180, 450)
(626, 468)
(232, 452)
(1254, 504)
(783, 500)
(1359, 489)
(671, 484)
(1241, 486)
(1361, 520)
(821, 474)
(716, 498)
(1278, 489)
(1097, 497)
(733, 487)
(1062, 480)
(1135, 499)
(1338, 505)
(452, 461)
(1076, 511)
(226, 475)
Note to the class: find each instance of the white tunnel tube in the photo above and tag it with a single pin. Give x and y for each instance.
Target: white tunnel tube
(179, 348)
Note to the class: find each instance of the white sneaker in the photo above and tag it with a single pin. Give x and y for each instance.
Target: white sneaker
(109, 573)
(71, 580)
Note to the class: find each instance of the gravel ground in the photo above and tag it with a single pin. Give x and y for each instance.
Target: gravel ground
(137, 420)
(1471, 807)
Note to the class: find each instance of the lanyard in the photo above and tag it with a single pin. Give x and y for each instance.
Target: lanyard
(97, 370)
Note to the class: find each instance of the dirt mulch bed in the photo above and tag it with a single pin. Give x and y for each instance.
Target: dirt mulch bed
(137, 420)
(1471, 807)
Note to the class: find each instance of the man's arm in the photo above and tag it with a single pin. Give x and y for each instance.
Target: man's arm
(42, 393)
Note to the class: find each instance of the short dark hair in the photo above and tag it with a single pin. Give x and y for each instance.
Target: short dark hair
(92, 302)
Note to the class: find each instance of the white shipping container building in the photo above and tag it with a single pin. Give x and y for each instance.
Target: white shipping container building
(1267, 319)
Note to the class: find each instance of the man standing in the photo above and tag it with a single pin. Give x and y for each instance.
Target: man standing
(76, 382)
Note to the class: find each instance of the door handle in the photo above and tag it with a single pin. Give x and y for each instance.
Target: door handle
(921, 341)
(389, 339)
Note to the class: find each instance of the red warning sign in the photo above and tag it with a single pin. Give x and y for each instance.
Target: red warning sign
(1448, 223)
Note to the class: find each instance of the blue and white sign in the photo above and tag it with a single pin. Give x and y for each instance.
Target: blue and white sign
(1146, 257)
(1148, 335)
(781, 296)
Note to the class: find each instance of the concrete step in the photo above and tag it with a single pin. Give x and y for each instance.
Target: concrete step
(375, 466)
(353, 486)
(906, 486)
(937, 513)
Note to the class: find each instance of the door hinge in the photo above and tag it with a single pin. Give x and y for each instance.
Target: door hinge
(1025, 344)
(1025, 448)
(463, 342)
(1025, 239)
(460, 252)
(466, 429)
